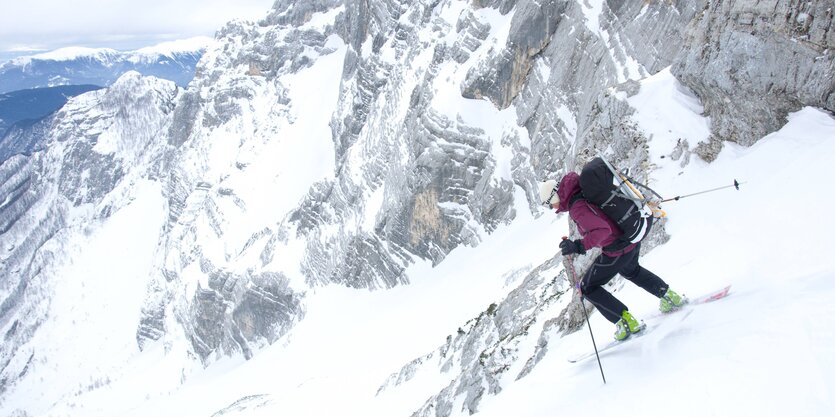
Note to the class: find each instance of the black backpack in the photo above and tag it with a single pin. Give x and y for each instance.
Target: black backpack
(601, 187)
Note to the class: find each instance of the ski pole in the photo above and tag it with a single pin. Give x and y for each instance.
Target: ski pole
(569, 266)
(736, 185)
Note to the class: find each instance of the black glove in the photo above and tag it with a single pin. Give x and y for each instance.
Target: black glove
(572, 246)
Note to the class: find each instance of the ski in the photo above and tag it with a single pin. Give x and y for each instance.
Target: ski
(706, 298)
(716, 295)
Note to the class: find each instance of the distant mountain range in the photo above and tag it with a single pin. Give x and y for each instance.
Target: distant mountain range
(175, 61)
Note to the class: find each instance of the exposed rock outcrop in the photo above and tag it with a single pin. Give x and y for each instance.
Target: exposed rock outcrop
(753, 62)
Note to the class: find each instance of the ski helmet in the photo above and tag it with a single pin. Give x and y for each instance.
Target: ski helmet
(548, 193)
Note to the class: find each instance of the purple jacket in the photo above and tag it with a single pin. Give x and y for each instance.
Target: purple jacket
(597, 229)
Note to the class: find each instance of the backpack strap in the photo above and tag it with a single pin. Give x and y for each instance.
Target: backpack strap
(611, 197)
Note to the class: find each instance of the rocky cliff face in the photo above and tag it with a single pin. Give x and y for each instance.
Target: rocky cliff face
(429, 126)
(753, 62)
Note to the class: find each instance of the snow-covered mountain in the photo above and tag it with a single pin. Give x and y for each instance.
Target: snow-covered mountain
(21, 110)
(338, 216)
(175, 61)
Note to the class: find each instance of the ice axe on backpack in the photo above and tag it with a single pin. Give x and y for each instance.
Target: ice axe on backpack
(736, 185)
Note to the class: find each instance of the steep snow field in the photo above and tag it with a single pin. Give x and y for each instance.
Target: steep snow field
(766, 350)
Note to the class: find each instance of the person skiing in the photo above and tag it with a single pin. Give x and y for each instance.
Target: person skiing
(618, 256)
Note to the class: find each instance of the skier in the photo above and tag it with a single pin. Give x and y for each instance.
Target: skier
(618, 256)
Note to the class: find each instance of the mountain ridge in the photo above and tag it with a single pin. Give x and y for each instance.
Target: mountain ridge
(174, 60)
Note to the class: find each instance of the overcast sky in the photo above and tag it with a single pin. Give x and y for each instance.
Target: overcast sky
(32, 26)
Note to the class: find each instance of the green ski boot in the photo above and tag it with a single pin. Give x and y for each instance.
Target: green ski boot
(671, 301)
(627, 325)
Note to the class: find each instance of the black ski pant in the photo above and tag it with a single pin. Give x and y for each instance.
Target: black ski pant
(604, 269)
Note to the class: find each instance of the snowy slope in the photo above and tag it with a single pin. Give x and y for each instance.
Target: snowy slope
(768, 349)
(765, 350)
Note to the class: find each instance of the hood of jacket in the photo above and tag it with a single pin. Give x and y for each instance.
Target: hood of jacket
(568, 186)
